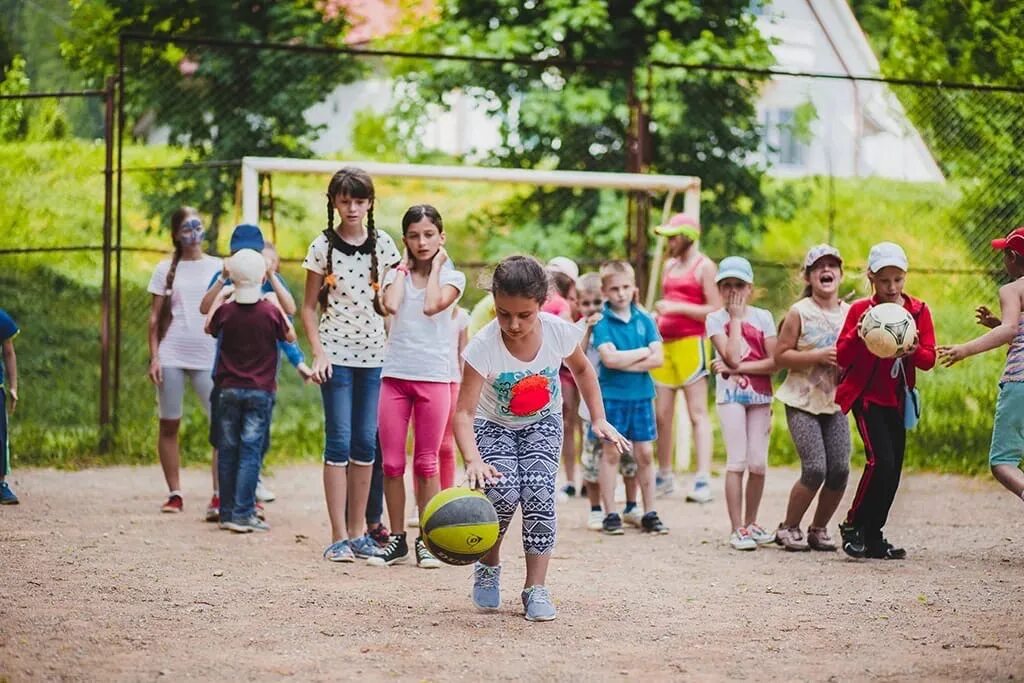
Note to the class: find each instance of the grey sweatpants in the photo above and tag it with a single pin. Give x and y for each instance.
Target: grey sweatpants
(823, 444)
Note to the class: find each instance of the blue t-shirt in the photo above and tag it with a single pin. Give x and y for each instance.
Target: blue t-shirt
(8, 330)
(640, 332)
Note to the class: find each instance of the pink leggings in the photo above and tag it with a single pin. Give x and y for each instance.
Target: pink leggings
(745, 432)
(428, 404)
(446, 456)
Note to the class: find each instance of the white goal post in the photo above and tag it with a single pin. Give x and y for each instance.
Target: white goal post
(671, 185)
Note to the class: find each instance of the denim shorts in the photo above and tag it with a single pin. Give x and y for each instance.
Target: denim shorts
(350, 397)
(1008, 426)
(633, 419)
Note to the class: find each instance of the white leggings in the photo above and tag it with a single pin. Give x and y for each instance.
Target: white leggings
(745, 431)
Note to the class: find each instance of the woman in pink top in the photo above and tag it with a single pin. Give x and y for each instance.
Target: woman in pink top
(688, 294)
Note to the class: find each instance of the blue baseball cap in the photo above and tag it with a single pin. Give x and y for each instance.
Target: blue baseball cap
(246, 236)
(735, 267)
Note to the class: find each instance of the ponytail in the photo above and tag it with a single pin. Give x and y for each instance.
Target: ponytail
(166, 315)
(371, 239)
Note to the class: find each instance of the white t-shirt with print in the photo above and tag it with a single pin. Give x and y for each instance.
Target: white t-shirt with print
(186, 345)
(519, 393)
(461, 322)
(351, 332)
(419, 347)
(757, 326)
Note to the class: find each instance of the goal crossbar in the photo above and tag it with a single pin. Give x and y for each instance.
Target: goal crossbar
(252, 167)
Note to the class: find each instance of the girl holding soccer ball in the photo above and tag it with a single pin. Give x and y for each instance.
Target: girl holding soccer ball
(878, 391)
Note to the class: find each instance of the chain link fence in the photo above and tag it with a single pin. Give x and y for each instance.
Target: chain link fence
(821, 159)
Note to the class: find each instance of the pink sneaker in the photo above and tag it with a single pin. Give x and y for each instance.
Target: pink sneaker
(791, 538)
(819, 539)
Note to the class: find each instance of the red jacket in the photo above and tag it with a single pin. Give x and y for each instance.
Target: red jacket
(866, 378)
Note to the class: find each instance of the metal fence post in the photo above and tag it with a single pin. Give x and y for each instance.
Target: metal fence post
(105, 294)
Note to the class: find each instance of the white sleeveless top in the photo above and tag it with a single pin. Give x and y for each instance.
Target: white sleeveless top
(813, 389)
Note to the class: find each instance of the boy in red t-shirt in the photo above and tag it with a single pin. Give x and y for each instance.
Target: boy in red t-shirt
(249, 329)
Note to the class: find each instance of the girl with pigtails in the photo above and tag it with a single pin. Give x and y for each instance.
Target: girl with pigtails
(179, 348)
(344, 269)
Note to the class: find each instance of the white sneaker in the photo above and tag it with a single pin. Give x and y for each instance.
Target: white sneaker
(633, 517)
(664, 484)
(413, 521)
(760, 535)
(701, 492)
(595, 521)
(263, 494)
(742, 540)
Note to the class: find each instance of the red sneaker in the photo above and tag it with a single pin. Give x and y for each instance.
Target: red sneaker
(174, 504)
(213, 510)
(379, 534)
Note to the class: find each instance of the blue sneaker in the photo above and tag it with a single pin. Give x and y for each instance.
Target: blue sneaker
(339, 551)
(538, 605)
(364, 547)
(486, 587)
(7, 496)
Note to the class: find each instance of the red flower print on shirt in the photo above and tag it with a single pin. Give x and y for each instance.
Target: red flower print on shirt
(529, 395)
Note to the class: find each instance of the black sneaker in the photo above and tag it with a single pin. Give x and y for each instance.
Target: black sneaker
(424, 558)
(569, 490)
(885, 551)
(583, 490)
(397, 550)
(652, 525)
(853, 540)
(612, 524)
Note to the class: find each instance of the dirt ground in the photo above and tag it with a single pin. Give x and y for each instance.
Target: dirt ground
(96, 584)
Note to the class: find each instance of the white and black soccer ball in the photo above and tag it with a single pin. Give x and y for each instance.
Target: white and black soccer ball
(888, 330)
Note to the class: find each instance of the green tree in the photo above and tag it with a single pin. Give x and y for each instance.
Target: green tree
(219, 103)
(976, 136)
(698, 122)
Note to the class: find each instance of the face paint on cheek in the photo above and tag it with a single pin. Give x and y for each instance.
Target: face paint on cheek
(193, 237)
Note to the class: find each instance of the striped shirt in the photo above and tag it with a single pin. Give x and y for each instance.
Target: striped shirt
(1014, 371)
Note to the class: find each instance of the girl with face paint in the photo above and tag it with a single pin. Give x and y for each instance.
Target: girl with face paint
(179, 349)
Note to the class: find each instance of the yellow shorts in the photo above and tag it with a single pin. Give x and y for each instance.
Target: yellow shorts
(686, 361)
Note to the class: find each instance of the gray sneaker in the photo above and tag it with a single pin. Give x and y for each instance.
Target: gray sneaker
(538, 605)
(246, 526)
(365, 547)
(486, 587)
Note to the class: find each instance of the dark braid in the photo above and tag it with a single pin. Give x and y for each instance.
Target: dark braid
(325, 287)
(371, 239)
(177, 220)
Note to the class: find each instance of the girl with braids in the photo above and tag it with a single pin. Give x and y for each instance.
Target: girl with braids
(344, 267)
(179, 349)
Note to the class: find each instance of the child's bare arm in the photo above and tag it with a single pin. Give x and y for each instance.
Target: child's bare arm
(11, 373)
(1011, 300)
(620, 360)
(284, 297)
(655, 359)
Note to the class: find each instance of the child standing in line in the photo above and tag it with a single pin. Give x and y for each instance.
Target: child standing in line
(9, 372)
(820, 430)
(874, 389)
(420, 293)
(688, 296)
(1008, 425)
(591, 302)
(744, 341)
(627, 340)
(248, 329)
(344, 267)
(508, 423)
(179, 350)
(563, 302)
(446, 456)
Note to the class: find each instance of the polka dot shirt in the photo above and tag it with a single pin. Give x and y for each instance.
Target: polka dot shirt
(352, 333)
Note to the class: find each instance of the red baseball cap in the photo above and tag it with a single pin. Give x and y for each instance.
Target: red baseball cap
(1014, 241)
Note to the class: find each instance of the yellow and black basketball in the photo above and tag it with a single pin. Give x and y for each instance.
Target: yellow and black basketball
(459, 525)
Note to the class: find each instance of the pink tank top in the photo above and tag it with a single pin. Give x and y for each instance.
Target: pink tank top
(686, 288)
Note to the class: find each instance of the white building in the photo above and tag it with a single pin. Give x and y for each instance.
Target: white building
(857, 128)
(860, 128)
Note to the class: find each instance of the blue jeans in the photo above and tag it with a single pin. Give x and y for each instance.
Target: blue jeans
(244, 417)
(350, 415)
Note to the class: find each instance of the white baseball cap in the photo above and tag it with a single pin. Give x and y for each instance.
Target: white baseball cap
(247, 268)
(886, 254)
(820, 251)
(564, 264)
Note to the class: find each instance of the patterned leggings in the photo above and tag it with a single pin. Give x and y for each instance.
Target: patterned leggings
(527, 459)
